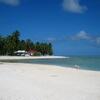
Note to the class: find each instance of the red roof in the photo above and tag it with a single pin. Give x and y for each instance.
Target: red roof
(32, 51)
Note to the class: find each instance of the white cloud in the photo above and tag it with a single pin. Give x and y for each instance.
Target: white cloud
(98, 40)
(82, 35)
(51, 39)
(10, 2)
(73, 6)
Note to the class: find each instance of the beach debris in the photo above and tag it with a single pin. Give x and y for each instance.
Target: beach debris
(77, 66)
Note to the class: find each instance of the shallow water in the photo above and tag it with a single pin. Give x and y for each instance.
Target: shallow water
(84, 62)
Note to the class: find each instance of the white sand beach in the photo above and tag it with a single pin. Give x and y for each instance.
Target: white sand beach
(29, 57)
(45, 82)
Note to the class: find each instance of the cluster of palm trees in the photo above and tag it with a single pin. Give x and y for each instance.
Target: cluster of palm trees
(11, 43)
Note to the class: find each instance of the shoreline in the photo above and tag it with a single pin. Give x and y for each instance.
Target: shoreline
(52, 66)
(30, 57)
(55, 66)
(13, 59)
(47, 82)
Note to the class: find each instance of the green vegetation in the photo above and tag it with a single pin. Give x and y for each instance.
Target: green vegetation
(11, 43)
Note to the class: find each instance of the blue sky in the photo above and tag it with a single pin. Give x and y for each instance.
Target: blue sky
(73, 26)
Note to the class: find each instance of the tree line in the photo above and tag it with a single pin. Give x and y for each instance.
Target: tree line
(11, 43)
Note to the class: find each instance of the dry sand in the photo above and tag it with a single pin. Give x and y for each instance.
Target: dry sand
(46, 82)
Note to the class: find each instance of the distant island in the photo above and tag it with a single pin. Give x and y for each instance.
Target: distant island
(13, 45)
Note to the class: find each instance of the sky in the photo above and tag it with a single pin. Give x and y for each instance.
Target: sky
(72, 26)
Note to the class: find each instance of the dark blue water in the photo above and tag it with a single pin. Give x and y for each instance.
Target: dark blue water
(84, 62)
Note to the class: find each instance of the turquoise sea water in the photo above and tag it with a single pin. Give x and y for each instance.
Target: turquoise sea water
(84, 62)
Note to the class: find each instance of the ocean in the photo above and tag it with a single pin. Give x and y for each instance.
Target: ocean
(84, 62)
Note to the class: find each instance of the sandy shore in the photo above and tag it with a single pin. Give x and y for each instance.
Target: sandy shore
(46, 82)
(29, 57)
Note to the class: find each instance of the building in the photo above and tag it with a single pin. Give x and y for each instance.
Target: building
(31, 52)
(21, 53)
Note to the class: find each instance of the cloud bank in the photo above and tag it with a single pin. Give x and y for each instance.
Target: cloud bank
(11, 2)
(82, 35)
(73, 6)
(68, 5)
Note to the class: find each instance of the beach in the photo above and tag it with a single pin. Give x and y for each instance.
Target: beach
(19, 81)
(29, 57)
